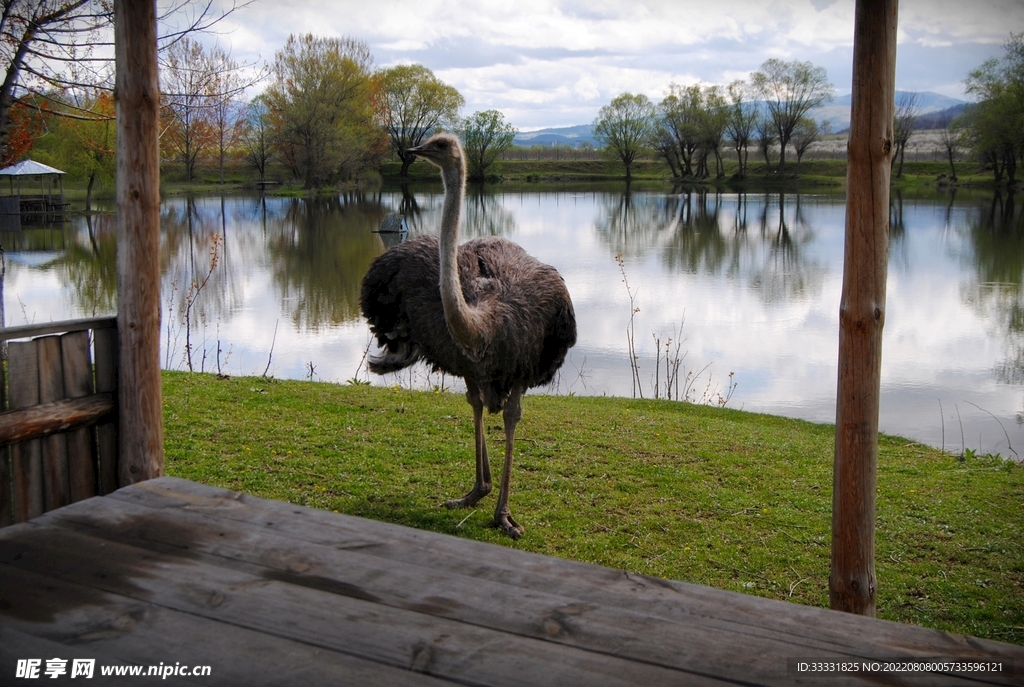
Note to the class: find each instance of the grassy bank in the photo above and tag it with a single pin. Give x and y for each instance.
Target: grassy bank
(808, 175)
(713, 496)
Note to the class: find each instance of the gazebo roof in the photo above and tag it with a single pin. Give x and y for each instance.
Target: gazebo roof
(27, 168)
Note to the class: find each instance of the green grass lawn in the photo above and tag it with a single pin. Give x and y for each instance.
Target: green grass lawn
(713, 496)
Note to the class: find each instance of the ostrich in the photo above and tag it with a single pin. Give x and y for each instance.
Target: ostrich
(486, 311)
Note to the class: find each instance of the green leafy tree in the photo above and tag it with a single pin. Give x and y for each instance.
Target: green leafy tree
(678, 125)
(790, 91)
(712, 121)
(255, 136)
(625, 126)
(89, 145)
(411, 104)
(806, 133)
(485, 136)
(83, 147)
(321, 108)
(994, 125)
(690, 125)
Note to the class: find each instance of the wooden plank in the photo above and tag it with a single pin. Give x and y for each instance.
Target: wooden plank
(77, 362)
(56, 483)
(693, 604)
(333, 616)
(6, 486)
(715, 620)
(137, 101)
(33, 330)
(123, 631)
(16, 644)
(47, 418)
(687, 644)
(26, 457)
(105, 346)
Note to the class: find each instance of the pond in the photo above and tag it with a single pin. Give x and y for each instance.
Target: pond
(733, 297)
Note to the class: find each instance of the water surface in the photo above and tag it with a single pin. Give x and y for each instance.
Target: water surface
(742, 290)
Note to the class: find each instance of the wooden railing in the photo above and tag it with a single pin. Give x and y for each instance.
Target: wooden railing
(58, 420)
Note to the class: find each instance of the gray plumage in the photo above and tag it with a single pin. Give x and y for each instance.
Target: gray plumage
(503, 321)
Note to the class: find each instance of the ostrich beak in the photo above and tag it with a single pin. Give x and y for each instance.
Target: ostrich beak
(414, 150)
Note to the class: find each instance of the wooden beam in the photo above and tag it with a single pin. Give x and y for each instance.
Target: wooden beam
(28, 331)
(48, 418)
(137, 99)
(852, 583)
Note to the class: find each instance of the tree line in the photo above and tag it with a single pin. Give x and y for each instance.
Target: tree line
(325, 114)
(692, 125)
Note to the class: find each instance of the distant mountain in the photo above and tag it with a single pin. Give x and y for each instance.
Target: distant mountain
(567, 135)
(939, 119)
(934, 112)
(837, 112)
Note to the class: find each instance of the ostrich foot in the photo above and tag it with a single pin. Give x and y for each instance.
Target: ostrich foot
(470, 499)
(506, 524)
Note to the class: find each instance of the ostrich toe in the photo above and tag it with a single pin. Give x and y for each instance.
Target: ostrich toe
(509, 526)
(470, 499)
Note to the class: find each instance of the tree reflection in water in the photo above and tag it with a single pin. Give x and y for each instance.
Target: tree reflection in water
(755, 274)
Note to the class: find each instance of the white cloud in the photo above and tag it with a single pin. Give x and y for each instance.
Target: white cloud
(542, 61)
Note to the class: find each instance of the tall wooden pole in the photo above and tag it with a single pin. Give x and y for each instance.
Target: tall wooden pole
(137, 99)
(862, 308)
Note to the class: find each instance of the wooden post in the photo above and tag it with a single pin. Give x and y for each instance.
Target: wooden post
(137, 98)
(862, 307)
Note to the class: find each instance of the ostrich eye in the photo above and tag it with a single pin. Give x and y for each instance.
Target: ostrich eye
(442, 145)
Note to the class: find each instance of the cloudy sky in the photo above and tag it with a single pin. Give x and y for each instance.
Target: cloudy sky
(556, 62)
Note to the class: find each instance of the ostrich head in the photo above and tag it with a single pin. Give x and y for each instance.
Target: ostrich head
(442, 150)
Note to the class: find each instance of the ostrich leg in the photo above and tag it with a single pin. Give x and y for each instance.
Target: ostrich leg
(502, 514)
(483, 468)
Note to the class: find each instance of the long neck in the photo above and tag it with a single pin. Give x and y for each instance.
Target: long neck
(461, 320)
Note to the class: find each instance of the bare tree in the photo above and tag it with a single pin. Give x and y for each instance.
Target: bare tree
(903, 126)
(187, 82)
(806, 133)
(764, 135)
(200, 88)
(790, 90)
(664, 145)
(951, 142)
(52, 46)
(740, 123)
(228, 111)
(255, 136)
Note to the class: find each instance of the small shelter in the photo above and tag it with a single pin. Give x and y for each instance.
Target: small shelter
(34, 192)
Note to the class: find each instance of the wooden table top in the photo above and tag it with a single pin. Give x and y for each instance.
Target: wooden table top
(178, 576)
